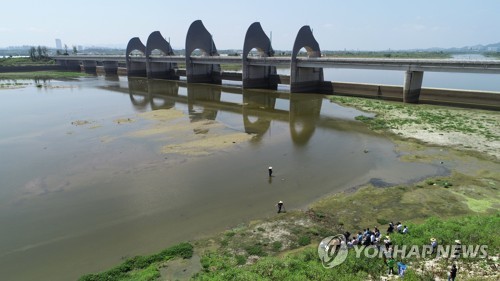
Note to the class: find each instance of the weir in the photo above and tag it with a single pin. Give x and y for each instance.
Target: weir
(203, 65)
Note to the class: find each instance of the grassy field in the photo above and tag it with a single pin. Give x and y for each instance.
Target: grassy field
(467, 129)
(40, 75)
(24, 62)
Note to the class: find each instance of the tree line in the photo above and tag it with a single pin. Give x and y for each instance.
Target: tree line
(39, 53)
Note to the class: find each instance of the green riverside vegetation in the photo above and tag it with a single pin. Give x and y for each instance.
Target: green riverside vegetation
(304, 264)
(41, 75)
(142, 267)
(25, 61)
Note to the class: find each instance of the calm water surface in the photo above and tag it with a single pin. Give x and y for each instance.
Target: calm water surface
(76, 199)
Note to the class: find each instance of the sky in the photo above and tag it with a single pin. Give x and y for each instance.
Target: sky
(336, 25)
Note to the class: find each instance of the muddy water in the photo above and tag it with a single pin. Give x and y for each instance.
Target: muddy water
(80, 190)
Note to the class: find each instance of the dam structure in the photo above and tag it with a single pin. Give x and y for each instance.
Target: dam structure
(258, 62)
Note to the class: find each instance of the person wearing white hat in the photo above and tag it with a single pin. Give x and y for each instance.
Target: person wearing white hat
(270, 171)
(434, 245)
(457, 249)
(280, 206)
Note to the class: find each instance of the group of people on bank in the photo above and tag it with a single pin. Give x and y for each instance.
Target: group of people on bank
(374, 238)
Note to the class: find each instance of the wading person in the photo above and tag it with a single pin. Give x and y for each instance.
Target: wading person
(280, 206)
(270, 171)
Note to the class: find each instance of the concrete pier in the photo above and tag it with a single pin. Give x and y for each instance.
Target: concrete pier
(198, 38)
(110, 67)
(162, 70)
(305, 79)
(136, 68)
(257, 76)
(412, 86)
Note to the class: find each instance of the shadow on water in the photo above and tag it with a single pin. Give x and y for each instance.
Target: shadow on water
(257, 108)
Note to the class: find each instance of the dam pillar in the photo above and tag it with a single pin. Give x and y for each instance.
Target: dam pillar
(198, 38)
(136, 68)
(256, 76)
(110, 67)
(412, 86)
(71, 65)
(162, 70)
(90, 66)
(305, 79)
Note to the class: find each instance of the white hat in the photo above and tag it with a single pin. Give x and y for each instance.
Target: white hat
(458, 242)
(280, 201)
(433, 239)
(270, 167)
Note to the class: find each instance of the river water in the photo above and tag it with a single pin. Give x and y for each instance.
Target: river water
(79, 191)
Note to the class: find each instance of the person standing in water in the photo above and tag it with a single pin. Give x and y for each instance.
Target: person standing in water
(270, 171)
(280, 206)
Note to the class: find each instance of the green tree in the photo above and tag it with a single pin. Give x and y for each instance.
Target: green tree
(65, 50)
(32, 53)
(75, 51)
(39, 52)
(45, 52)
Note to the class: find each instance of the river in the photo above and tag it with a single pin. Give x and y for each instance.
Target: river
(81, 190)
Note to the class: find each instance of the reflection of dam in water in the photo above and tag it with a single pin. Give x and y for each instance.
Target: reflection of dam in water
(257, 107)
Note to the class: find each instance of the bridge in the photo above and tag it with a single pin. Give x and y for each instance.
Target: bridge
(259, 71)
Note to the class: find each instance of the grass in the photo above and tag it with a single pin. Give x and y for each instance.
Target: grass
(397, 116)
(40, 75)
(305, 265)
(142, 267)
(24, 61)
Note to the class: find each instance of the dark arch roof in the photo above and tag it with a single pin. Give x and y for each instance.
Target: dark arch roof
(257, 38)
(198, 37)
(305, 39)
(157, 42)
(135, 44)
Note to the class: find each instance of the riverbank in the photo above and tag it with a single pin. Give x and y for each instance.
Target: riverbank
(41, 75)
(284, 246)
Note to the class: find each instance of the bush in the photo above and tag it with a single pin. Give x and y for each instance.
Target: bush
(241, 260)
(304, 240)
(255, 250)
(277, 245)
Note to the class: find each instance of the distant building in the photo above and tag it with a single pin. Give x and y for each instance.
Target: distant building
(492, 49)
(58, 44)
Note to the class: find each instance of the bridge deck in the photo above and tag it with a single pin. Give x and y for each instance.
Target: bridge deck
(432, 65)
